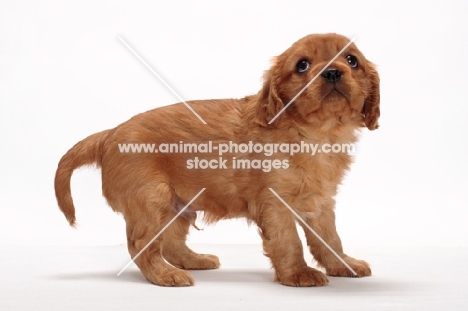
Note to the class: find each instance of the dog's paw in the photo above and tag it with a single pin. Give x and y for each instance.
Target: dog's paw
(201, 262)
(359, 266)
(173, 277)
(306, 276)
(193, 261)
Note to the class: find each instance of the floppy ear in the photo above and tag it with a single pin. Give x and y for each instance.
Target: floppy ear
(269, 104)
(371, 109)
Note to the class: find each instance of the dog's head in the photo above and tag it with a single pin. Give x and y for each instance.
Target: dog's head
(349, 83)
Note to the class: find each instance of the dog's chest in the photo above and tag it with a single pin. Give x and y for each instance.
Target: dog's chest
(320, 168)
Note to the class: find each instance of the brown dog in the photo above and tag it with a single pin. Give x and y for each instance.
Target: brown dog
(149, 188)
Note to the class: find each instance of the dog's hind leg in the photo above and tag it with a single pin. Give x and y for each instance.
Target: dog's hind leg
(175, 249)
(146, 216)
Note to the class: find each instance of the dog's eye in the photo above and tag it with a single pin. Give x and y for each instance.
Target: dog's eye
(302, 66)
(352, 61)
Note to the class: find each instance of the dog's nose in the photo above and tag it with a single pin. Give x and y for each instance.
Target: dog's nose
(331, 75)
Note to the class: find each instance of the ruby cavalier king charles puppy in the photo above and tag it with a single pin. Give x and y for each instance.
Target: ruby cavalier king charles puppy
(151, 188)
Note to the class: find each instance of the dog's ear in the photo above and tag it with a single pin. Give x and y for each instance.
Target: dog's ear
(269, 103)
(371, 109)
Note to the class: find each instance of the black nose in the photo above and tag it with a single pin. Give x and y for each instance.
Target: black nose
(331, 75)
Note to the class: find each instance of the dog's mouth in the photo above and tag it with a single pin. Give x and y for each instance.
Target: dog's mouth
(334, 93)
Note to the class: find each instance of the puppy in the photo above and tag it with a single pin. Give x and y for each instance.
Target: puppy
(150, 188)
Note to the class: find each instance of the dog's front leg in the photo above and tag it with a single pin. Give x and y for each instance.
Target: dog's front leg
(282, 245)
(324, 226)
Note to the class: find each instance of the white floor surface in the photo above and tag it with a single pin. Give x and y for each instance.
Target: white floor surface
(85, 278)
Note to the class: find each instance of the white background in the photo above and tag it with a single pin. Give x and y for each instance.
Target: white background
(64, 75)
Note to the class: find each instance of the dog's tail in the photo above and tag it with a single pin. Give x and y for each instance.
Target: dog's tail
(86, 152)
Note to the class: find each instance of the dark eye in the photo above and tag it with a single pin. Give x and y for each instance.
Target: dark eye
(352, 61)
(302, 66)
